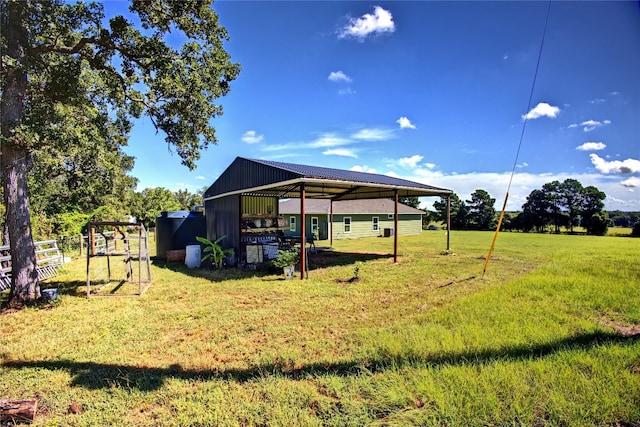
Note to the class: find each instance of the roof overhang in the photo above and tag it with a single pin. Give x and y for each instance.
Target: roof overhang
(316, 188)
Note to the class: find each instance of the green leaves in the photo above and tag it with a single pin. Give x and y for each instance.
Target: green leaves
(214, 251)
(75, 60)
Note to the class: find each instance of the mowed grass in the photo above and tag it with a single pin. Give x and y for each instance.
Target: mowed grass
(548, 337)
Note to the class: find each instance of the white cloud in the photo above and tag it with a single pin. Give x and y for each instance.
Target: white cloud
(373, 134)
(200, 177)
(339, 76)
(430, 165)
(346, 91)
(592, 146)
(250, 137)
(626, 166)
(328, 140)
(590, 125)
(411, 162)
(632, 182)
(344, 152)
(405, 123)
(542, 110)
(379, 22)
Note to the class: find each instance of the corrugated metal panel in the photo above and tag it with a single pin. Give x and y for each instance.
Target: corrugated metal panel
(244, 173)
(223, 219)
(259, 205)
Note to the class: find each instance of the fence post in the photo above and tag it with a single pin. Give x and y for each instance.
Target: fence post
(81, 243)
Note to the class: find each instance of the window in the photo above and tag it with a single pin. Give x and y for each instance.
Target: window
(346, 224)
(292, 223)
(314, 225)
(389, 216)
(375, 223)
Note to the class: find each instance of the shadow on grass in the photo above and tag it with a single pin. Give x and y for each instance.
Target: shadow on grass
(98, 375)
(317, 260)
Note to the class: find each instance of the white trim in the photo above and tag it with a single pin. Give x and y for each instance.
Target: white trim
(344, 225)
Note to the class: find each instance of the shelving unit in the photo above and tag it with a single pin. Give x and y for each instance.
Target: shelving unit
(259, 237)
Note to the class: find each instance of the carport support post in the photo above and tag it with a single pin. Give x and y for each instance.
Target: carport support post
(395, 227)
(448, 220)
(303, 236)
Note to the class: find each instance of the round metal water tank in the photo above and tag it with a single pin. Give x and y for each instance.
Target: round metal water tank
(177, 230)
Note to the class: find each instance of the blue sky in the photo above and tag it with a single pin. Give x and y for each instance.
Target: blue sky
(435, 92)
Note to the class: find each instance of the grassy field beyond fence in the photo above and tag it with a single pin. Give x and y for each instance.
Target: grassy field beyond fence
(548, 337)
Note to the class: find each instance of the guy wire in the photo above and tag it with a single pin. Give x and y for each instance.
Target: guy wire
(524, 126)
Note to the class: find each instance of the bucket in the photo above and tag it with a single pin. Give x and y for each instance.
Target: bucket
(192, 256)
(49, 294)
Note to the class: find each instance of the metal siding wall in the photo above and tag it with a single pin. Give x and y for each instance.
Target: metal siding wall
(223, 219)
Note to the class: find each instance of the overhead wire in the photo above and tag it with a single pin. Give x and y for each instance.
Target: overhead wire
(524, 126)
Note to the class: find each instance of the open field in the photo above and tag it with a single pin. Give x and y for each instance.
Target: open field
(549, 337)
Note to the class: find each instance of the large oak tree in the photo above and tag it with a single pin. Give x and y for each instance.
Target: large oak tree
(60, 59)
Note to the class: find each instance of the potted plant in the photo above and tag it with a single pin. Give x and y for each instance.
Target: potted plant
(214, 251)
(287, 261)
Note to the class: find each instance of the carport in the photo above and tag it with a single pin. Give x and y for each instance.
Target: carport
(262, 181)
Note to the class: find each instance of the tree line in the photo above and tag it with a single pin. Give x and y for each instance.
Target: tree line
(567, 204)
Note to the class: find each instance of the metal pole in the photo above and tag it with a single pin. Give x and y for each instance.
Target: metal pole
(331, 223)
(303, 235)
(448, 222)
(395, 228)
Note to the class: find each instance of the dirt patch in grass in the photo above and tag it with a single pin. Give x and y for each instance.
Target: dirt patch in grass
(626, 330)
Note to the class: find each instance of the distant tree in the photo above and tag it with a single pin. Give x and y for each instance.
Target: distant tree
(623, 219)
(571, 196)
(525, 221)
(151, 202)
(427, 217)
(565, 204)
(635, 232)
(594, 219)
(553, 194)
(536, 212)
(57, 54)
(459, 212)
(84, 169)
(187, 199)
(414, 202)
(482, 213)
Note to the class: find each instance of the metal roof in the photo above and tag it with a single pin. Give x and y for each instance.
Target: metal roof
(254, 177)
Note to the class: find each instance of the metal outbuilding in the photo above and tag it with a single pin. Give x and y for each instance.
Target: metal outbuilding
(252, 187)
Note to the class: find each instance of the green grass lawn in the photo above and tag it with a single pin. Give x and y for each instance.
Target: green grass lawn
(548, 337)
